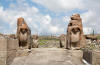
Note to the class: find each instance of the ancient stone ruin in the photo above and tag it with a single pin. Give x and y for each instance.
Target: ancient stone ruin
(35, 39)
(75, 36)
(8, 48)
(23, 33)
(23, 48)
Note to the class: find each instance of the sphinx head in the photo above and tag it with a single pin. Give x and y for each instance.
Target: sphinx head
(75, 17)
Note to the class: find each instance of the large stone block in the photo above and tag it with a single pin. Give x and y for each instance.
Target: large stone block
(2, 62)
(3, 44)
(92, 57)
(3, 54)
(3, 50)
(3, 57)
(8, 47)
(12, 44)
(96, 58)
(10, 56)
(87, 55)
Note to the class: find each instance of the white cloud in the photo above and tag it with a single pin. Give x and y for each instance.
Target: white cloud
(36, 21)
(90, 16)
(39, 22)
(66, 19)
(87, 16)
(46, 20)
(10, 16)
(87, 30)
(1, 27)
(56, 29)
(61, 5)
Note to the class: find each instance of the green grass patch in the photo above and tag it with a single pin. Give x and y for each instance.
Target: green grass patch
(48, 39)
(43, 40)
(41, 43)
(98, 37)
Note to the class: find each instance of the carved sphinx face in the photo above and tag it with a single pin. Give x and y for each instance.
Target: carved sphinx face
(75, 34)
(23, 31)
(23, 34)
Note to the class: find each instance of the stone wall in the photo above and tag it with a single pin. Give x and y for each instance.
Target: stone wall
(8, 48)
(92, 57)
(96, 58)
(12, 47)
(3, 51)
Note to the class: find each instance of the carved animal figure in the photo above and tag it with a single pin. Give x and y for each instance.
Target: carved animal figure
(23, 33)
(75, 38)
(35, 41)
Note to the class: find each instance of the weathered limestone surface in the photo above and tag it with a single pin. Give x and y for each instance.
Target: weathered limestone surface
(8, 47)
(96, 58)
(12, 47)
(3, 51)
(3, 44)
(92, 57)
(12, 44)
(48, 56)
(75, 36)
(35, 39)
(23, 33)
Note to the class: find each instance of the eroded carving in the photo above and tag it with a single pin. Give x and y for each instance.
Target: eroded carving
(35, 39)
(23, 33)
(75, 37)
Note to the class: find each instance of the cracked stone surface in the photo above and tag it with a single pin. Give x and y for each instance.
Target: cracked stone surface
(48, 56)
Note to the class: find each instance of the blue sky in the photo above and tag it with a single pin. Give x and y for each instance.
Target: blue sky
(48, 16)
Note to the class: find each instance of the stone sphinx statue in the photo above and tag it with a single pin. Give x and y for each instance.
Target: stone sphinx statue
(23, 33)
(75, 37)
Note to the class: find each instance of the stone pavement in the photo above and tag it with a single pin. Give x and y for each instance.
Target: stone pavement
(48, 56)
